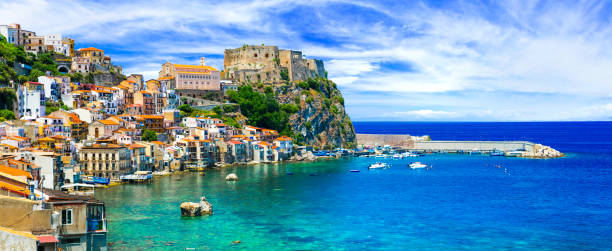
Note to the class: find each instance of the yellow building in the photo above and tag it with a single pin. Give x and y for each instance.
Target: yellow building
(95, 55)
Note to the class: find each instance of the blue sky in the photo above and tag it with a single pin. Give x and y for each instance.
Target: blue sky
(393, 60)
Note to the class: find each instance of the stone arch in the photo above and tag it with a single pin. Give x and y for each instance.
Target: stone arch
(63, 68)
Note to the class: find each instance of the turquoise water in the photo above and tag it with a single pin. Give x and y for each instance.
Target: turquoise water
(463, 202)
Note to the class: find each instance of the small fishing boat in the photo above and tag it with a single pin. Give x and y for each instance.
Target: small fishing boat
(378, 165)
(380, 156)
(497, 153)
(515, 153)
(417, 165)
(354, 171)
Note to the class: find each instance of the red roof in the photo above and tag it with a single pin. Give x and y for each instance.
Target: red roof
(47, 239)
(90, 49)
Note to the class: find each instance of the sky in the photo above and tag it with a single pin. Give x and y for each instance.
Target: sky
(392, 60)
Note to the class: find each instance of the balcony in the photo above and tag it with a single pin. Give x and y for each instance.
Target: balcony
(94, 224)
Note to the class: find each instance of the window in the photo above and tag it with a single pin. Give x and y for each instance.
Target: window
(67, 217)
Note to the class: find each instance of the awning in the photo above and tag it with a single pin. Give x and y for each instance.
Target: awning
(47, 239)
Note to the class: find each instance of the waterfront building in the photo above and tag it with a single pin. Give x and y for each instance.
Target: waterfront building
(82, 221)
(139, 158)
(191, 80)
(285, 146)
(237, 151)
(264, 152)
(197, 152)
(105, 160)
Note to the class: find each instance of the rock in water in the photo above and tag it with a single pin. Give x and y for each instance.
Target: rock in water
(196, 209)
(206, 207)
(231, 177)
(191, 209)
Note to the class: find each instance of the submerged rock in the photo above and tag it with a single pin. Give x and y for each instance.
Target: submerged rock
(231, 177)
(196, 209)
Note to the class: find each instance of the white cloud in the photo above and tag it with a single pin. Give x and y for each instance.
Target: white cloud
(553, 58)
(426, 114)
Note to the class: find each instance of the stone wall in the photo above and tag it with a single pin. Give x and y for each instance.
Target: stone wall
(264, 64)
(13, 240)
(404, 141)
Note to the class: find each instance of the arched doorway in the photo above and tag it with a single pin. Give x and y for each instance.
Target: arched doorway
(63, 69)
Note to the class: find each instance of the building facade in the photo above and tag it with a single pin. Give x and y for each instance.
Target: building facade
(253, 64)
(195, 78)
(105, 160)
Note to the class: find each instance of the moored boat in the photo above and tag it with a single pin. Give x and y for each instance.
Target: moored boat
(378, 165)
(417, 165)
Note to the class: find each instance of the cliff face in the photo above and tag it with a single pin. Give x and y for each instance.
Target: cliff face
(321, 119)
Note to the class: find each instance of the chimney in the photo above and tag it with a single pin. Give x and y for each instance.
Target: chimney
(202, 61)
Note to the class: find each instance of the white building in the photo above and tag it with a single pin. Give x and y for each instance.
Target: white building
(11, 33)
(50, 86)
(31, 103)
(55, 40)
(80, 65)
(49, 166)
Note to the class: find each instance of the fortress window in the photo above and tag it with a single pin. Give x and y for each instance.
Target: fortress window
(266, 55)
(255, 55)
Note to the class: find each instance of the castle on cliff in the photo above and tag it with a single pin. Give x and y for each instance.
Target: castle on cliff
(268, 64)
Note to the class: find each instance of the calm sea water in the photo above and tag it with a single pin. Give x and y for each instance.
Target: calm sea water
(463, 202)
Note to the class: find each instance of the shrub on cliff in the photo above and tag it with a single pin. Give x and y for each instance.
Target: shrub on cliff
(261, 110)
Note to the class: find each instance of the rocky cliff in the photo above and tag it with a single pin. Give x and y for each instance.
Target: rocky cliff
(320, 118)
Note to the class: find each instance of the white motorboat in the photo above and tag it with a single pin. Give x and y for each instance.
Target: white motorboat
(378, 165)
(409, 155)
(416, 165)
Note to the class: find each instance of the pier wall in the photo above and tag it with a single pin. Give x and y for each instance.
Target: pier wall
(404, 141)
(452, 146)
(408, 142)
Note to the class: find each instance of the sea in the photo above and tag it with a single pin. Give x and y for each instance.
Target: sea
(463, 202)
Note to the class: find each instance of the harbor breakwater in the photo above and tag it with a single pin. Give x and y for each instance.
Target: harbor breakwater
(425, 144)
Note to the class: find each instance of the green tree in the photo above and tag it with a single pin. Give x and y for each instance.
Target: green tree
(7, 98)
(149, 135)
(7, 114)
(186, 108)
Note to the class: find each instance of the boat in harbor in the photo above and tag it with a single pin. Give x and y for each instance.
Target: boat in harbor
(497, 153)
(380, 156)
(409, 155)
(417, 165)
(354, 171)
(515, 153)
(378, 165)
(95, 180)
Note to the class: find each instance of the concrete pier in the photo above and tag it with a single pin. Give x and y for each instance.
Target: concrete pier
(424, 144)
(482, 146)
